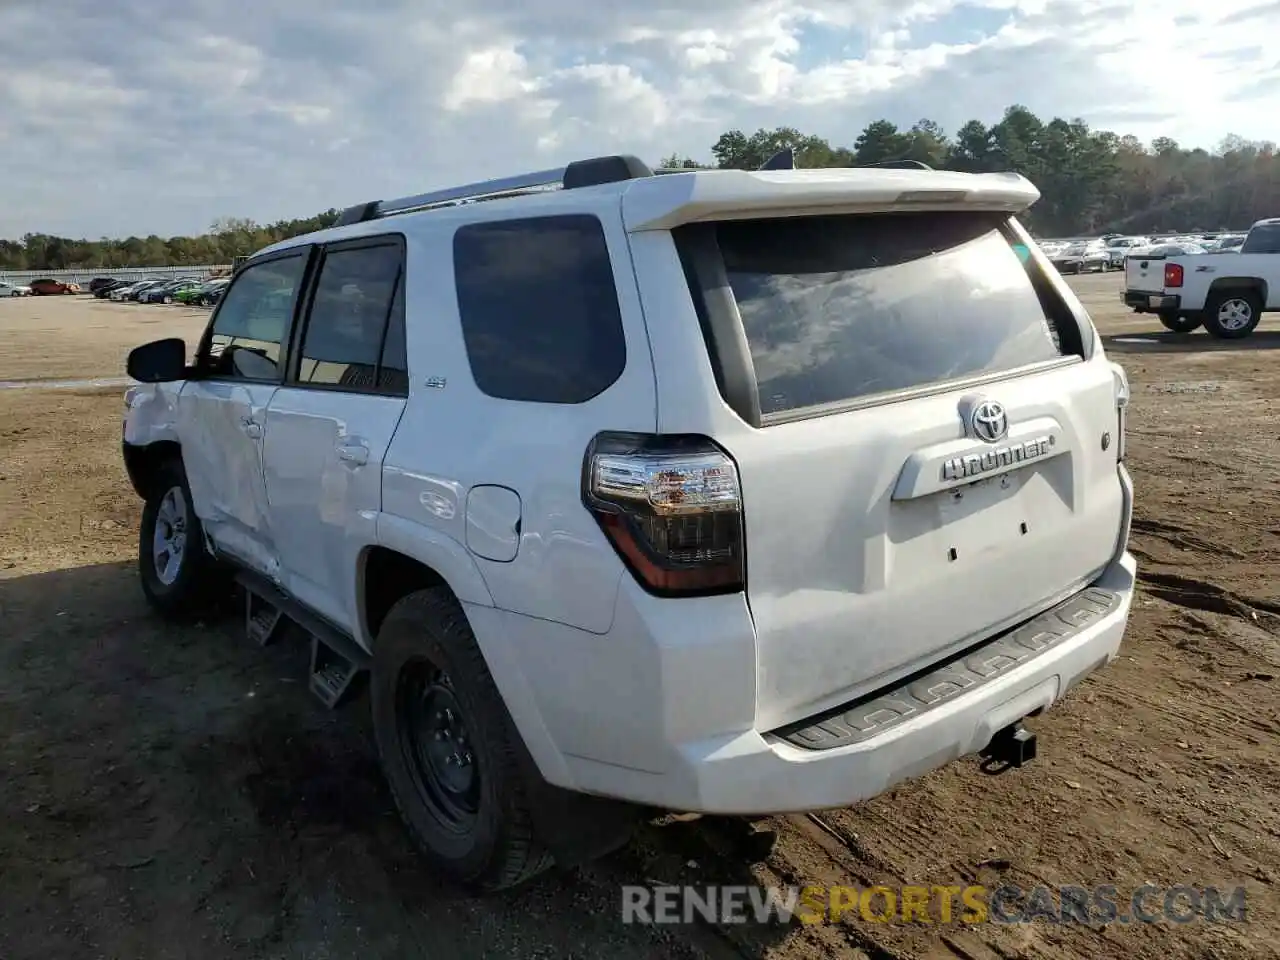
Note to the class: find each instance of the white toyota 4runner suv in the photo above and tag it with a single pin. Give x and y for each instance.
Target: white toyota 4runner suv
(720, 491)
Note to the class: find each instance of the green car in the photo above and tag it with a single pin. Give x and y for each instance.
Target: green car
(197, 295)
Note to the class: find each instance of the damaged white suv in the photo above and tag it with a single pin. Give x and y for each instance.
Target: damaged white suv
(722, 491)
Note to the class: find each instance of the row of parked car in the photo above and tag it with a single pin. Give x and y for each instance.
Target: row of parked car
(194, 291)
(1109, 252)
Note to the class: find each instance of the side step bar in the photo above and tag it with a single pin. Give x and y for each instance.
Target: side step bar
(337, 661)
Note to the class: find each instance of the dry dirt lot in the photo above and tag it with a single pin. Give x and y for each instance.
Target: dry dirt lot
(169, 793)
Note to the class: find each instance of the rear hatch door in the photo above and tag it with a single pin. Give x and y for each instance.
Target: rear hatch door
(929, 464)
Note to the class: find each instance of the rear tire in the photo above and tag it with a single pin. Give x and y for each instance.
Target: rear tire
(1232, 314)
(1180, 324)
(448, 746)
(180, 580)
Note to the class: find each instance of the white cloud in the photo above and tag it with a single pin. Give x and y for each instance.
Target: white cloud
(159, 115)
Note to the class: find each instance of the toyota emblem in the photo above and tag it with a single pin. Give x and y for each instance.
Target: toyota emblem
(989, 422)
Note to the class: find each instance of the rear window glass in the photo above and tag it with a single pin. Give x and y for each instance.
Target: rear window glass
(842, 307)
(1262, 239)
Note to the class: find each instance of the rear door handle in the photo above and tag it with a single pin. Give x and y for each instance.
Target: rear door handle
(356, 453)
(252, 428)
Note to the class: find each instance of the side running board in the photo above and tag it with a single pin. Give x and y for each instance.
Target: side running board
(337, 661)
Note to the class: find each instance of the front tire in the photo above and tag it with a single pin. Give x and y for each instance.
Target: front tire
(1232, 314)
(1180, 324)
(180, 580)
(449, 748)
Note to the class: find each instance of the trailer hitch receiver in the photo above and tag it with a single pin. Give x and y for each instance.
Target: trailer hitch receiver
(1012, 746)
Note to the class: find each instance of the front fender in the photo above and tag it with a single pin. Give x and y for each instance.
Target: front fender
(151, 414)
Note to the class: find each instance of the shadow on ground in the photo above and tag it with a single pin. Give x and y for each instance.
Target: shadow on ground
(178, 792)
(1196, 342)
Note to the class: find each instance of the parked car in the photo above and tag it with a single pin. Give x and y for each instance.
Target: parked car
(1120, 247)
(127, 291)
(205, 294)
(167, 292)
(100, 283)
(45, 287)
(1226, 244)
(14, 290)
(620, 514)
(1081, 257)
(105, 290)
(137, 292)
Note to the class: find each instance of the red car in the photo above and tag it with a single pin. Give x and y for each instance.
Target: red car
(49, 288)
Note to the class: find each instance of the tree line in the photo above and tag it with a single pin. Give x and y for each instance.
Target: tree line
(1091, 181)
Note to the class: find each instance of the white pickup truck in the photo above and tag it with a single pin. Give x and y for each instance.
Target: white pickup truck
(1228, 292)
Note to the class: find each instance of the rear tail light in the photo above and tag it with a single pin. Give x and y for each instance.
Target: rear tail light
(1122, 408)
(672, 508)
(1173, 274)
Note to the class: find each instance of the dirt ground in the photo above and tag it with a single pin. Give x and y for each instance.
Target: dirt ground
(170, 793)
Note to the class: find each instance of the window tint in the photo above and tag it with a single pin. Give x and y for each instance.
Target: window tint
(539, 309)
(254, 318)
(1262, 239)
(841, 307)
(348, 317)
(393, 372)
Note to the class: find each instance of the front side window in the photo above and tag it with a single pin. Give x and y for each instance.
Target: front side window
(253, 320)
(539, 308)
(837, 308)
(347, 324)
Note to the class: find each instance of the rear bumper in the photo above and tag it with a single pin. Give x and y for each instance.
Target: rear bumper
(1142, 301)
(612, 716)
(950, 713)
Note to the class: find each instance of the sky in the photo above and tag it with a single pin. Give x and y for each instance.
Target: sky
(159, 116)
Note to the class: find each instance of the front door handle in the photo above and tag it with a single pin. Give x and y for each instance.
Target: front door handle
(356, 453)
(251, 427)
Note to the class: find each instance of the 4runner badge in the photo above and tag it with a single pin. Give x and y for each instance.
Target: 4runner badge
(996, 459)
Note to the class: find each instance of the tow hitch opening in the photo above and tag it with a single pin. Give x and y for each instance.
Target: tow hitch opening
(1012, 746)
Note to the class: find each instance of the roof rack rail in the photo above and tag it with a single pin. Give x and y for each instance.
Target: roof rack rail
(580, 173)
(898, 165)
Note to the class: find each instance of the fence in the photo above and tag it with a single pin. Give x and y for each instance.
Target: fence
(82, 277)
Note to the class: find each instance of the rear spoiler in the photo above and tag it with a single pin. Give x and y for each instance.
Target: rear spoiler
(662, 203)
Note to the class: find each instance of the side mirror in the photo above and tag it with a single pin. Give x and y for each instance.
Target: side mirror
(160, 361)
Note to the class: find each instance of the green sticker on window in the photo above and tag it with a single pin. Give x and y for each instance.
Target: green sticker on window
(1023, 251)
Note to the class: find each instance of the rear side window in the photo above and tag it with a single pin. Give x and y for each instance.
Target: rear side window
(836, 308)
(539, 308)
(1262, 239)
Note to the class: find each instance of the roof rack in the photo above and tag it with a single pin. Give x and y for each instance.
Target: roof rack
(899, 165)
(579, 173)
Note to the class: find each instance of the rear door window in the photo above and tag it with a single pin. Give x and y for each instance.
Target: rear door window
(347, 323)
(837, 308)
